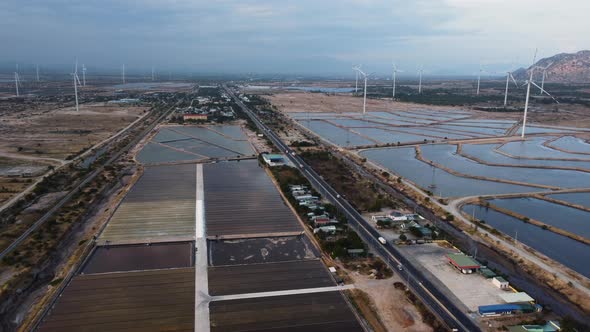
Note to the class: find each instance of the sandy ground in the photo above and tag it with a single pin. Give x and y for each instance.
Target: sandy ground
(396, 313)
(60, 133)
(319, 102)
(567, 115)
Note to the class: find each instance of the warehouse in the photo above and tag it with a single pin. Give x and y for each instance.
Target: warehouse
(507, 309)
(520, 297)
(500, 282)
(274, 159)
(463, 263)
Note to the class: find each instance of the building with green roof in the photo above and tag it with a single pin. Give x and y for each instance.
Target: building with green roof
(463, 263)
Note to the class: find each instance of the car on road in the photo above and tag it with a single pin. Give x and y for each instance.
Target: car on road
(382, 240)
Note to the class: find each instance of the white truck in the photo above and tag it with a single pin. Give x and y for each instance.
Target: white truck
(382, 240)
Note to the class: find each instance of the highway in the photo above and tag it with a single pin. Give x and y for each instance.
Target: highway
(434, 299)
(80, 185)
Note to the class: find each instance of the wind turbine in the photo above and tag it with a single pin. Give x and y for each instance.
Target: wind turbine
(395, 71)
(420, 79)
(83, 75)
(123, 73)
(356, 82)
(16, 83)
(543, 78)
(76, 82)
(528, 93)
(528, 83)
(479, 78)
(508, 78)
(358, 70)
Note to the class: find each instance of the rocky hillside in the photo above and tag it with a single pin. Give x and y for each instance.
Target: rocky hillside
(562, 67)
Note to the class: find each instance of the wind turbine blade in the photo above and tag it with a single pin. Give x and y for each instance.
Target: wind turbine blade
(545, 92)
(513, 80)
(77, 78)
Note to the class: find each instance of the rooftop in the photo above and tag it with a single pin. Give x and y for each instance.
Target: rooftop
(516, 297)
(463, 261)
(486, 272)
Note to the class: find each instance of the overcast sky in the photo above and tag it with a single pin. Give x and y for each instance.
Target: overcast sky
(282, 36)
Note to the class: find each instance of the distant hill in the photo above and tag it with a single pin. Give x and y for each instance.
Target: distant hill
(562, 68)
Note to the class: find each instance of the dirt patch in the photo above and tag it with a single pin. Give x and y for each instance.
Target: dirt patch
(395, 312)
(62, 132)
(45, 201)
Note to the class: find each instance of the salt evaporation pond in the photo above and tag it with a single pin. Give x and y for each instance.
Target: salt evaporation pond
(486, 153)
(336, 135)
(402, 161)
(555, 246)
(572, 144)
(567, 218)
(445, 155)
(574, 198)
(534, 148)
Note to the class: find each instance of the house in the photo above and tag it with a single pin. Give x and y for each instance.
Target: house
(325, 229)
(500, 282)
(398, 216)
(321, 221)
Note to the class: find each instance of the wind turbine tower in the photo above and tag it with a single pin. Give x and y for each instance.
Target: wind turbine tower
(356, 81)
(76, 82)
(16, 83)
(123, 73)
(479, 78)
(83, 75)
(543, 79)
(528, 94)
(420, 80)
(395, 70)
(365, 94)
(508, 77)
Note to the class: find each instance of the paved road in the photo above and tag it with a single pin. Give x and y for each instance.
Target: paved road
(438, 303)
(281, 293)
(80, 185)
(202, 297)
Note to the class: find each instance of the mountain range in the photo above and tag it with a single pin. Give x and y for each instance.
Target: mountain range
(560, 68)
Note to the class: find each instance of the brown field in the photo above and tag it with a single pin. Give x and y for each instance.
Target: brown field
(304, 312)
(568, 115)
(267, 277)
(161, 300)
(42, 132)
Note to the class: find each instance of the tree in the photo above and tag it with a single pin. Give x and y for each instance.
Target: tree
(403, 237)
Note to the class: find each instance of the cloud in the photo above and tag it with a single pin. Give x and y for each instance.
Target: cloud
(260, 35)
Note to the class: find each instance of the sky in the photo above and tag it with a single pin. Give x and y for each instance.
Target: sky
(321, 37)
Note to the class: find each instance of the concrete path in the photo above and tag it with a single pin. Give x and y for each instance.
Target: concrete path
(202, 297)
(281, 293)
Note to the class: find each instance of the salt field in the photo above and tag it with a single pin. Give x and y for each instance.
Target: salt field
(195, 143)
(555, 246)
